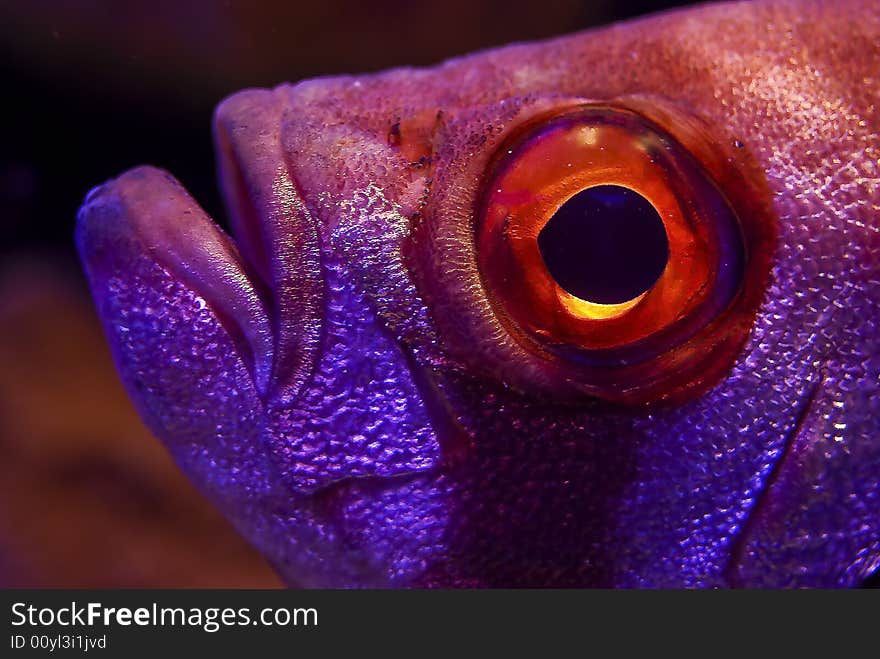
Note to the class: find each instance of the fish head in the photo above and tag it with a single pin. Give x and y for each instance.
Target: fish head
(381, 383)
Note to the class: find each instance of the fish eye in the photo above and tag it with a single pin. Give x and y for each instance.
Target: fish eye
(629, 257)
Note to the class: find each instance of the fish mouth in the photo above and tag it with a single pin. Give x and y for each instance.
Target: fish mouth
(288, 301)
(265, 281)
(146, 213)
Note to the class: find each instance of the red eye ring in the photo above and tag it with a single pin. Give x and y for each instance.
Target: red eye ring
(715, 271)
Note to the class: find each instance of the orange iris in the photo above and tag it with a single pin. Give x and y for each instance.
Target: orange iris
(553, 158)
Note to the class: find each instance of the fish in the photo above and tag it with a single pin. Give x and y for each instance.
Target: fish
(598, 311)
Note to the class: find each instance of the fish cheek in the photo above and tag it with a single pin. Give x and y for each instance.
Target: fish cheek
(360, 414)
(535, 501)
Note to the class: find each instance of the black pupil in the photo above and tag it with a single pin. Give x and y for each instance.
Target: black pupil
(606, 244)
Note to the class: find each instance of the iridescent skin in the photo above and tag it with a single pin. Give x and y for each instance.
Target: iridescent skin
(337, 382)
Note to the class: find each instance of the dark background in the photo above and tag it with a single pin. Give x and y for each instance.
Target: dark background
(91, 88)
(94, 87)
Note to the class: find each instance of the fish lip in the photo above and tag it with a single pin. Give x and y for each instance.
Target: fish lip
(275, 231)
(92, 195)
(146, 211)
(265, 281)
